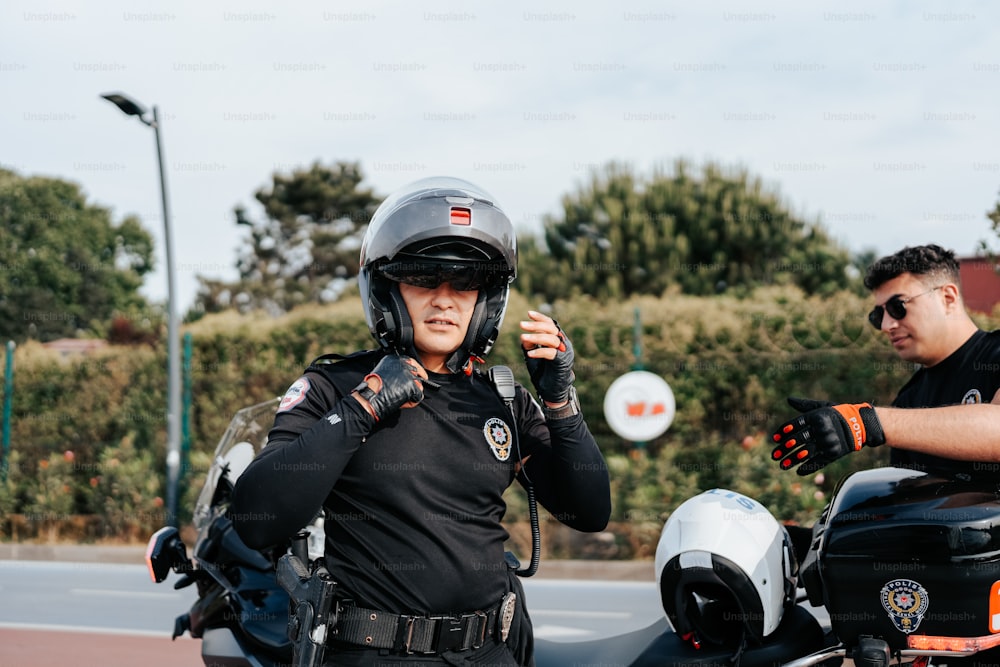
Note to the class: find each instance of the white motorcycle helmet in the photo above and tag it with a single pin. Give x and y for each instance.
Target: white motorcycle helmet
(725, 569)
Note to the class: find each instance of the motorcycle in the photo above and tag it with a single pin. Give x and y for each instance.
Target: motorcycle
(241, 613)
(902, 568)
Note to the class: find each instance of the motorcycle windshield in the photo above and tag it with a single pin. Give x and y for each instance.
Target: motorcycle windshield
(243, 439)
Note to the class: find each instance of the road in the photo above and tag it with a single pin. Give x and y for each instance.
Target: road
(111, 615)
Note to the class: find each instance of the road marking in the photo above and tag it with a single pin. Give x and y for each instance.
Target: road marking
(576, 583)
(106, 592)
(576, 613)
(560, 632)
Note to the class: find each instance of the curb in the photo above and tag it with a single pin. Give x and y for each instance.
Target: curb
(75, 553)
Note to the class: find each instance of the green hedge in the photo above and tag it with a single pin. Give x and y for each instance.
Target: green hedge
(88, 434)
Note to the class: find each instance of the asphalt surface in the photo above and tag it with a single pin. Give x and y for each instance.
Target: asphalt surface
(548, 569)
(26, 642)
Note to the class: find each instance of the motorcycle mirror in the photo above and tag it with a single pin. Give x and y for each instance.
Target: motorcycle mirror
(164, 551)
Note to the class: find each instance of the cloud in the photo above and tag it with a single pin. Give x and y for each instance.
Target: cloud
(879, 119)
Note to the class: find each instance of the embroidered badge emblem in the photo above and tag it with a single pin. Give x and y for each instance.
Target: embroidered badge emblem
(906, 602)
(507, 608)
(295, 395)
(498, 437)
(972, 397)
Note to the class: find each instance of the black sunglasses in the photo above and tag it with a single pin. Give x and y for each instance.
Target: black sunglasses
(461, 277)
(895, 306)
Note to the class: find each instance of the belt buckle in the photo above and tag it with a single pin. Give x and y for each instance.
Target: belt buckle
(482, 629)
(408, 630)
(449, 634)
(506, 614)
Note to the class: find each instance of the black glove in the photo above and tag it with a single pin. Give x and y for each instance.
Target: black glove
(824, 433)
(400, 384)
(553, 377)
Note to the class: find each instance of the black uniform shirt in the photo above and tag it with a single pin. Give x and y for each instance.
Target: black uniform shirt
(970, 375)
(414, 503)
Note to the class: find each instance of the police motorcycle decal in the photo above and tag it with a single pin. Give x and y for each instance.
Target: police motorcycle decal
(906, 602)
(498, 437)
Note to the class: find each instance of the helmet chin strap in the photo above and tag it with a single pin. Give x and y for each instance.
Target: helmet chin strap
(402, 342)
(460, 361)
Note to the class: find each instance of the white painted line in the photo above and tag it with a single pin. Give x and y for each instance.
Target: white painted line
(588, 583)
(560, 632)
(571, 613)
(107, 592)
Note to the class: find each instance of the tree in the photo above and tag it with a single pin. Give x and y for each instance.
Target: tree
(621, 234)
(64, 265)
(306, 247)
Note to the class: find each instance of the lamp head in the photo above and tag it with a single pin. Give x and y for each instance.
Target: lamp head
(127, 105)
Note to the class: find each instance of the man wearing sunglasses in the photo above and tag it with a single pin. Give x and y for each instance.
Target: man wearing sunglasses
(919, 307)
(409, 448)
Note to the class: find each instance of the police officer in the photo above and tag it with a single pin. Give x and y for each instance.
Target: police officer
(409, 448)
(919, 307)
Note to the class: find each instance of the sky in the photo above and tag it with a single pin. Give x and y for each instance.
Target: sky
(879, 120)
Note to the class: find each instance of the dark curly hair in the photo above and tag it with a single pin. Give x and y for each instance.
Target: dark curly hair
(923, 260)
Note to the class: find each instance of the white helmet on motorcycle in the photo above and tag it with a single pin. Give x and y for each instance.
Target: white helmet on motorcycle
(725, 569)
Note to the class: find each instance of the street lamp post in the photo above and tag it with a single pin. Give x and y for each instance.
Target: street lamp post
(132, 108)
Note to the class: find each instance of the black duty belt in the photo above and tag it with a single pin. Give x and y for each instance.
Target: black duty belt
(423, 634)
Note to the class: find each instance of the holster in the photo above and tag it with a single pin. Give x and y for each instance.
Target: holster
(312, 608)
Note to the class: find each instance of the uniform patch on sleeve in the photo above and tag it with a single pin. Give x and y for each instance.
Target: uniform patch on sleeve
(295, 395)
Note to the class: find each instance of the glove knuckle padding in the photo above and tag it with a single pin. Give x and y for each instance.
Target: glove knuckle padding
(825, 432)
(399, 385)
(807, 404)
(831, 433)
(553, 377)
(818, 437)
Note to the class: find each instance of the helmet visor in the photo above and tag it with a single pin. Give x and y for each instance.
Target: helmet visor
(461, 276)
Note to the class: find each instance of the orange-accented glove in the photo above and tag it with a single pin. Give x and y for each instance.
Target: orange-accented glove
(823, 433)
(401, 384)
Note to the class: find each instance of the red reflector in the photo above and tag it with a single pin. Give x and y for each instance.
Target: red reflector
(461, 216)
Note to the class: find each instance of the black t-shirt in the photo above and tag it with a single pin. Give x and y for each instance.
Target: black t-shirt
(970, 375)
(413, 503)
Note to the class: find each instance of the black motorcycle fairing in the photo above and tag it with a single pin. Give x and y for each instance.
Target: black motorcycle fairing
(658, 645)
(220, 545)
(220, 647)
(950, 519)
(211, 605)
(263, 609)
(242, 592)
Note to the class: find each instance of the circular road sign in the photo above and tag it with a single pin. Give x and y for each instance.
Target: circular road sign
(639, 406)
